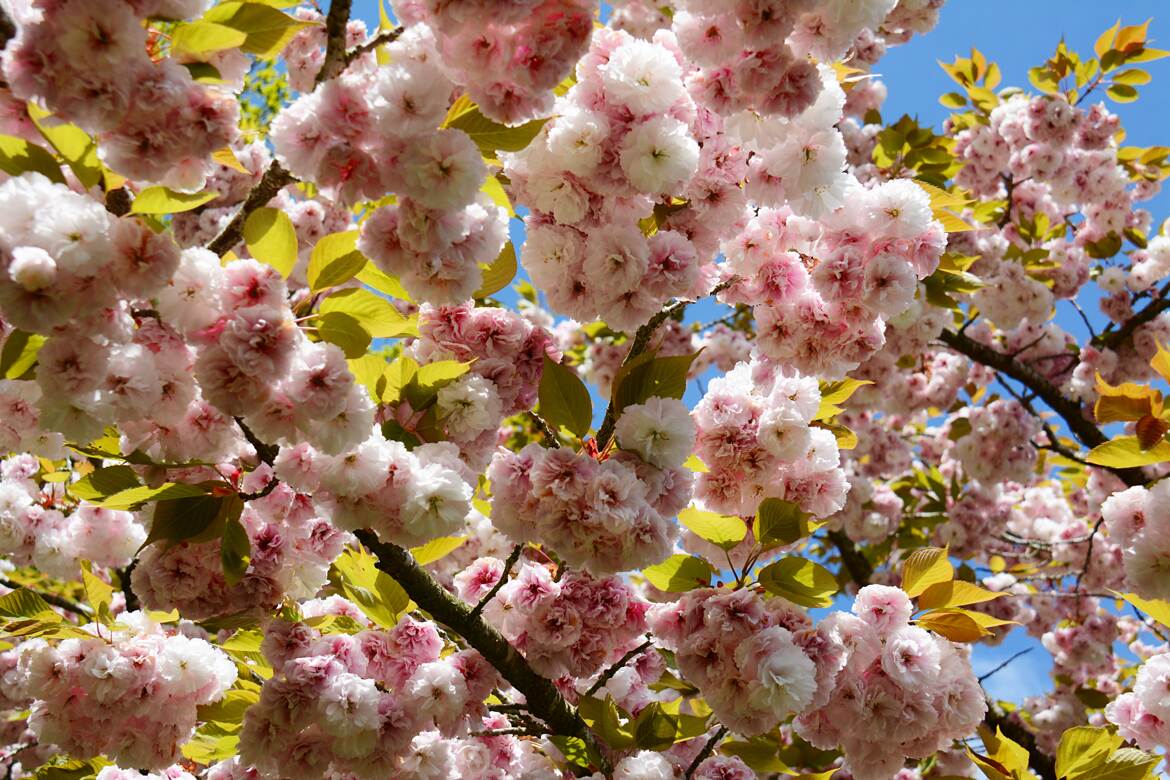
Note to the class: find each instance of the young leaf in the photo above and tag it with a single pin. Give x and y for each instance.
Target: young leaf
(492, 137)
(356, 575)
(334, 260)
(18, 156)
(1083, 747)
(196, 519)
(160, 200)
(345, 331)
(271, 238)
(648, 376)
(500, 273)
(564, 399)
(1126, 452)
(724, 531)
(955, 593)
(202, 38)
(925, 567)
(781, 522)
(436, 549)
(680, 573)
(235, 551)
(19, 353)
(268, 30)
(375, 314)
(799, 580)
(98, 593)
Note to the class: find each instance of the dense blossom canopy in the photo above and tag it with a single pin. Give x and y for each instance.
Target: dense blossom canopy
(540, 389)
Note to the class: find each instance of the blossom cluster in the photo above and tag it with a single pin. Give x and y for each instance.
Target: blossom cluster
(39, 527)
(623, 138)
(914, 691)
(571, 626)
(87, 61)
(755, 437)
(508, 57)
(290, 548)
(605, 516)
(353, 703)
(1137, 522)
(130, 695)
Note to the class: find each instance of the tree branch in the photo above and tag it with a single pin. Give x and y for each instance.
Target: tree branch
(386, 36)
(272, 182)
(858, 566)
(7, 28)
(543, 699)
(707, 750)
(1069, 410)
(1112, 339)
(611, 671)
(1042, 763)
(335, 24)
(491, 594)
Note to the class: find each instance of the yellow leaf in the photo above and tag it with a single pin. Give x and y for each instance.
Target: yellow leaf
(925, 567)
(1158, 609)
(1126, 452)
(1105, 40)
(1125, 402)
(1161, 362)
(953, 624)
(226, 156)
(956, 593)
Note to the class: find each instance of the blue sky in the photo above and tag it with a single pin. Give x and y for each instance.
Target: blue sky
(1017, 34)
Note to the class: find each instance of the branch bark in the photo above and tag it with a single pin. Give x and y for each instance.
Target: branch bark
(1112, 339)
(335, 24)
(543, 699)
(1069, 410)
(273, 180)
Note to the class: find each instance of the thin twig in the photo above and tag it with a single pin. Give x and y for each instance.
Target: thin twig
(1003, 665)
(706, 751)
(275, 178)
(551, 440)
(1112, 339)
(386, 36)
(491, 594)
(615, 668)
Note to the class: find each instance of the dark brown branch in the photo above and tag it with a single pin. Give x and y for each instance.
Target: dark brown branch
(384, 37)
(491, 594)
(273, 180)
(7, 28)
(551, 440)
(615, 668)
(858, 566)
(124, 575)
(55, 600)
(335, 24)
(543, 699)
(1112, 339)
(1042, 763)
(1069, 410)
(707, 750)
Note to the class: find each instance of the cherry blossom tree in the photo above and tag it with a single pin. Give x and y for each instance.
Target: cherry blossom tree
(538, 389)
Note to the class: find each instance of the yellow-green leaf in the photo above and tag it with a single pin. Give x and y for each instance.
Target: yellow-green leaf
(201, 38)
(377, 316)
(780, 522)
(1082, 747)
(355, 573)
(160, 200)
(345, 331)
(18, 156)
(271, 238)
(564, 399)
(955, 593)
(1126, 452)
(499, 274)
(925, 567)
(724, 531)
(680, 573)
(334, 260)
(383, 283)
(20, 353)
(1158, 609)
(799, 580)
(268, 30)
(437, 548)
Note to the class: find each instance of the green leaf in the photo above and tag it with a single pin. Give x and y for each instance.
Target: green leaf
(195, 519)
(160, 200)
(18, 156)
(655, 729)
(1082, 747)
(724, 531)
(104, 482)
(235, 551)
(370, 372)
(228, 713)
(647, 376)
(355, 574)
(399, 375)
(211, 744)
(1126, 452)
(76, 147)
(1122, 93)
(271, 238)
(201, 38)
(375, 314)
(1125, 764)
(268, 30)
(383, 283)
(800, 581)
(606, 718)
(925, 567)
(434, 376)
(780, 522)
(574, 750)
(492, 137)
(564, 399)
(65, 768)
(680, 573)
(436, 549)
(98, 593)
(19, 353)
(499, 274)
(345, 331)
(334, 260)
(1135, 77)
